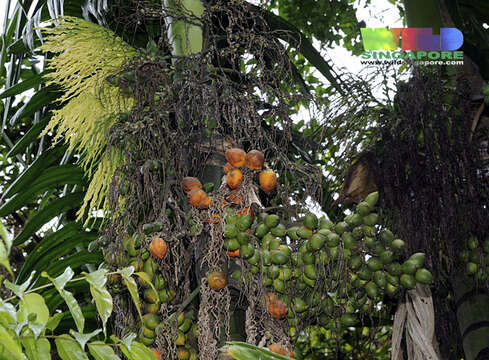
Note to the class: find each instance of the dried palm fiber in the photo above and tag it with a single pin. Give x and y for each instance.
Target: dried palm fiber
(415, 321)
(87, 55)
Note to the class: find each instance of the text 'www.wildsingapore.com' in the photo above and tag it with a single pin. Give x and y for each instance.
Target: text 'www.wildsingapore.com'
(411, 62)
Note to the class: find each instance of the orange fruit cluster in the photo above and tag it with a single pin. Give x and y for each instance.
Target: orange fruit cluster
(196, 196)
(254, 160)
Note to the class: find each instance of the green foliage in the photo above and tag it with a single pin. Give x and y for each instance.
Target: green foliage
(331, 22)
(326, 342)
(29, 328)
(243, 351)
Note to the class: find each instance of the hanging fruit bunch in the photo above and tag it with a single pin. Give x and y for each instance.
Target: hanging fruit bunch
(475, 256)
(237, 161)
(320, 272)
(146, 253)
(312, 271)
(316, 275)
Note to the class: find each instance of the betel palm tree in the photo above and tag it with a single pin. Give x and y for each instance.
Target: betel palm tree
(47, 182)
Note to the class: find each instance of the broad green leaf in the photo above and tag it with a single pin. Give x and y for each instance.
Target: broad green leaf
(33, 303)
(101, 351)
(6, 320)
(51, 178)
(53, 209)
(83, 338)
(35, 349)
(34, 170)
(59, 284)
(61, 281)
(19, 290)
(69, 349)
(103, 299)
(37, 329)
(18, 327)
(131, 286)
(53, 321)
(244, 351)
(33, 309)
(22, 86)
(146, 279)
(9, 347)
(138, 352)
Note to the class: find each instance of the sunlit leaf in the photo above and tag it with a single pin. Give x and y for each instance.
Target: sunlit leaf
(59, 284)
(9, 310)
(83, 338)
(126, 274)
(103, 299)
(33, 303)
(101, 351)
(128, 340)
(19, 290)
(138, 352)
(9, 347)
(69, 349)
(35, 349)
(54, 321)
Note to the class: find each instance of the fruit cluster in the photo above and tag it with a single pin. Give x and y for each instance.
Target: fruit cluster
(187, 337)
(476, 258)
(254, 160)
(320, 269)
(187, 334)
(154, 290)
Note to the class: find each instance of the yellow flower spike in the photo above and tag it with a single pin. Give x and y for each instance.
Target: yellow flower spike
(86, 55)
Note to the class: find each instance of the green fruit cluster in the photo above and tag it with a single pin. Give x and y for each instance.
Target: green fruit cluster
(237, 234)
(153, 286)
(475, 258)
(186, 340)
(324, 270)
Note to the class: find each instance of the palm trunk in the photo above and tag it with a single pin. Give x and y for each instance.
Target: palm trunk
(473, 318)
(185, 34)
